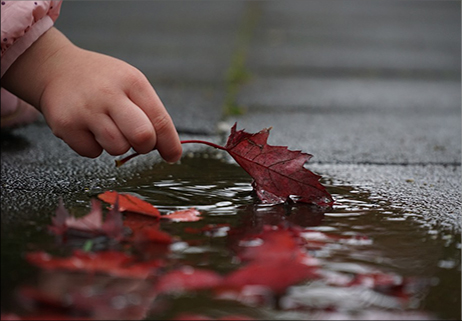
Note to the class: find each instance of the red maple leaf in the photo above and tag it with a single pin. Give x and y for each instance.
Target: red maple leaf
(279, 173)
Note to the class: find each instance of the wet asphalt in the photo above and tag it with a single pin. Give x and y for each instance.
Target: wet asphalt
(371, 89)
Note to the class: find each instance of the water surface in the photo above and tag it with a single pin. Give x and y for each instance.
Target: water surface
(360, 235)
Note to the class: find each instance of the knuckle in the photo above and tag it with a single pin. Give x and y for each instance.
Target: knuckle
(163, 123)
(135, 78)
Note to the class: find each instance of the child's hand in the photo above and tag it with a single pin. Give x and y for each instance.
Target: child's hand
(95, 102)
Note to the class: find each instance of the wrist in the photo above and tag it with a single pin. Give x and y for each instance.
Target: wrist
(29, 75)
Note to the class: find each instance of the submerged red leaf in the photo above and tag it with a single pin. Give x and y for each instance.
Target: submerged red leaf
(129, 203)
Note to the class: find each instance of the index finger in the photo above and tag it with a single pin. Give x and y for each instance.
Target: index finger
(167, 139)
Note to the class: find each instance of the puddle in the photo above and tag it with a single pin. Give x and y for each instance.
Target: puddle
(374, 261)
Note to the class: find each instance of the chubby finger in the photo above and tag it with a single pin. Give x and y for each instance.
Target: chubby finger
(108, 135)
(167, 140)
(135, 126)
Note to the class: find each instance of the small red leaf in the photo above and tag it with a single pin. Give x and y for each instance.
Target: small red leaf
(129, 203)
(189, 215)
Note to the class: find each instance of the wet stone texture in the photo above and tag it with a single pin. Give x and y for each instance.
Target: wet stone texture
(375, 106)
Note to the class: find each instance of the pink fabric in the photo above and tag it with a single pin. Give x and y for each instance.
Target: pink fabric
(22, 23)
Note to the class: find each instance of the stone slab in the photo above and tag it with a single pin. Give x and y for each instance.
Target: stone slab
(390, 36)
(366, 138)
(429, 195)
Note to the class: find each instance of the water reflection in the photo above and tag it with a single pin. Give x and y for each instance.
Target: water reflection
(370, 261)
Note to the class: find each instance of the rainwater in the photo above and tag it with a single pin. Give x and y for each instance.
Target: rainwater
(360, 236)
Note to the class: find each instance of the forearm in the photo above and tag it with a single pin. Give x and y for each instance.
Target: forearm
(30, 73)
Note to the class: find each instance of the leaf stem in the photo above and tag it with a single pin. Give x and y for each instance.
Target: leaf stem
(120, 162)
(203, 142)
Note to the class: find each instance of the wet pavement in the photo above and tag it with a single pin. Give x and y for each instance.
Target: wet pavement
(372, 90)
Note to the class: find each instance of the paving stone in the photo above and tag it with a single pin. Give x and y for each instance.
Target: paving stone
(367, 94)
(361, 137)
(428, 194)
(392, 36)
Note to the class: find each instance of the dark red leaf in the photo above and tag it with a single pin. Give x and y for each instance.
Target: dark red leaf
(278, 173)
(129, 203)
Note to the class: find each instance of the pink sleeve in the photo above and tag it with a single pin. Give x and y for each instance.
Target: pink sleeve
(23, 22)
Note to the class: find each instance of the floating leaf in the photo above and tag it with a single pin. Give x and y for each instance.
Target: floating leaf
(129, 203)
